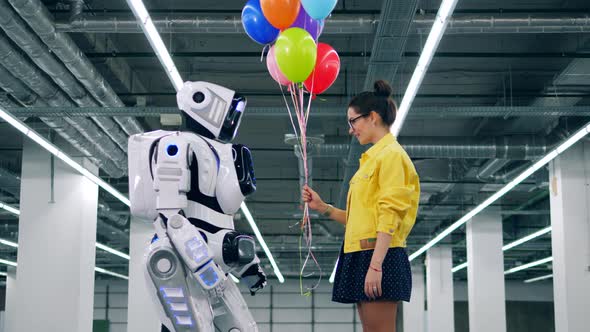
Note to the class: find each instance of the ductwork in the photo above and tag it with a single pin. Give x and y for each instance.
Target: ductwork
(416, 113)
(340, 24)
(76, 8)
(508, 23)
(490, 168)
(22, 93)
(191, 24)
(104, 211)
(17, 30)
(40, 20)
(504, 147)
(30, 75)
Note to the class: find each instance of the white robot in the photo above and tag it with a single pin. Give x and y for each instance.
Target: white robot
(189, 184)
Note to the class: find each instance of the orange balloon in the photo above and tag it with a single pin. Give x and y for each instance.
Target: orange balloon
(280, 13)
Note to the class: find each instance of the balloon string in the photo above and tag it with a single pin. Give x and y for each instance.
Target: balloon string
(267, 46)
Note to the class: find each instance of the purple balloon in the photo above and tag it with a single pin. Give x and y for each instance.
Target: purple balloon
(313, 26)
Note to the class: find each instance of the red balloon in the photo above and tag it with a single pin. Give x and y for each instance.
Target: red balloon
(326, 70)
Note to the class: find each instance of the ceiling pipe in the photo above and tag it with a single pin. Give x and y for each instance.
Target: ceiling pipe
(40, 20)
(417, 112)
(341, 24)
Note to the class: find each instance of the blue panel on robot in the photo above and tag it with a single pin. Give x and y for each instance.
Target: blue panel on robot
(209, 277)
(197, 250)
(184, 320)
(172, 292)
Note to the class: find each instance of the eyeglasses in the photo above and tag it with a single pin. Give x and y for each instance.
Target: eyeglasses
(353, 120)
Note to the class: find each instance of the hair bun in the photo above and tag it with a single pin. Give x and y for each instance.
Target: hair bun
(382, 88)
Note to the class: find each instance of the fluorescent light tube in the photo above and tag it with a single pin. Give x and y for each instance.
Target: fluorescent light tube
(528, 172)
(9, 208)
(513, 244)
(248, 216)
(459, 267)
(527, 238)
(528, 281)
(438, 29)
(149, 29)
(112, 251)
(103, 271)
(528, 265)
(5, 262)
(9, 243)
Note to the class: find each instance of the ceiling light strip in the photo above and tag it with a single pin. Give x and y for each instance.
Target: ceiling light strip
(529, 265)
(512, 244)
(528, 172)
(9, 208)
(149, 29)
(438, 29)
(30, 133)
(528, 281)
(256, 231)
(110, 273)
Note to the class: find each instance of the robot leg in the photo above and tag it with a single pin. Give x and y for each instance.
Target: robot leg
(231, 312)
(183, 306)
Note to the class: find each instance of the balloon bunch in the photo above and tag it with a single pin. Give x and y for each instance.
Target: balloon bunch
(298, 61)
(294, 26)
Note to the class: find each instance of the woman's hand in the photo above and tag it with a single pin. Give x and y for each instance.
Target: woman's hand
(373, 284)
(312, 198)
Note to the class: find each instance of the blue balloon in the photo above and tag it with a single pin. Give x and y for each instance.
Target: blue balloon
(256, 25)
(319, 9)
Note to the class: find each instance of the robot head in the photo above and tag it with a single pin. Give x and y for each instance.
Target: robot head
(211, 110)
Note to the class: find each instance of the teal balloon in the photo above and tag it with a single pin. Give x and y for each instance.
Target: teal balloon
(296, 52)
(319, 9)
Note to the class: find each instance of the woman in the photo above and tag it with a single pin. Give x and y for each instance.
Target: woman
(373, 269)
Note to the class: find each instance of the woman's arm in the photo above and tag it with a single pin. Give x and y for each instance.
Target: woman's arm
(375, 274)
(316, 203)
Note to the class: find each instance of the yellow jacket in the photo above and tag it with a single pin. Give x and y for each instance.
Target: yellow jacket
(383, 197)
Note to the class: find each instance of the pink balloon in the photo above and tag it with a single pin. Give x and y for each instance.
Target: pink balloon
(273, 68)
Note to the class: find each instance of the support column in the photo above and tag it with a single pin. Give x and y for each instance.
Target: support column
(57, 236)
(440, 316)
(10, 304)
(485, 273)
(414, 313)
(141, 313)
(569, 176)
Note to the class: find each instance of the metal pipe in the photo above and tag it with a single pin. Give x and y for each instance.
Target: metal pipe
(17, 30)
(342, 24)
(39, 19)
(190, 24)
(490, 168)
(417, 112)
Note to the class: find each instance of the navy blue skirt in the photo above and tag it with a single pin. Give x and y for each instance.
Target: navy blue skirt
(349, 282)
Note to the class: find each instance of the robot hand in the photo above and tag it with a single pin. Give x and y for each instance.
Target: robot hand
(254, 278)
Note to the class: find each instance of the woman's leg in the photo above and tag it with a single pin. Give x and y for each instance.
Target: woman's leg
(359, 308)
(379, 316)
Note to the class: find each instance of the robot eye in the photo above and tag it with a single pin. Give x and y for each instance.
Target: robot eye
(199, 97)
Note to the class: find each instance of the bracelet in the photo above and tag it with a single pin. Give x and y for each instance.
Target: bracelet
(328, 211)
(374, 269)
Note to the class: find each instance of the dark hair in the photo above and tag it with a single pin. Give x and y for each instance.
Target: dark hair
(379, 100)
